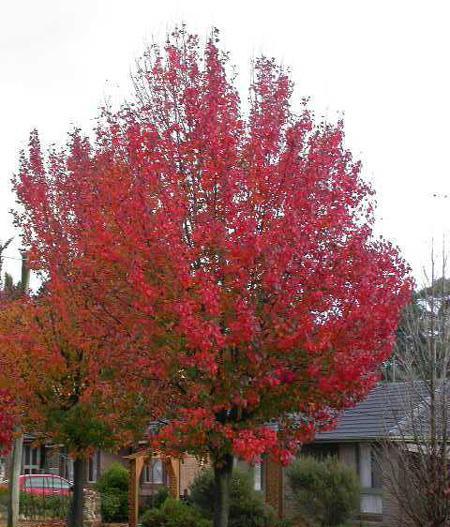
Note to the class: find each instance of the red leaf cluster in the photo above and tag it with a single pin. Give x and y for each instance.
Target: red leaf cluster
(6, 421)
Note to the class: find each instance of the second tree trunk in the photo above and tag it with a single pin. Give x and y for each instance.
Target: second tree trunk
(223, 470)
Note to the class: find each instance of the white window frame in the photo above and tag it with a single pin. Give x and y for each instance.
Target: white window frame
(371, 499)
(30, 465)
(258, 476)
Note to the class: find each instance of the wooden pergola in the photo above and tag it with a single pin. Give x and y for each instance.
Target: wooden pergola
(273, 479)
(138, 461)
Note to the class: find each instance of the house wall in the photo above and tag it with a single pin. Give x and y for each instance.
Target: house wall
(348, 454)
(393, 516)
(107, 459)
(189, 468)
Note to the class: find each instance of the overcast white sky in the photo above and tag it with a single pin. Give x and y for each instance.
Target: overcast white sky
(384, 64)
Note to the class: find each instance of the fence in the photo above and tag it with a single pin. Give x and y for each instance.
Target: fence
(43, 496)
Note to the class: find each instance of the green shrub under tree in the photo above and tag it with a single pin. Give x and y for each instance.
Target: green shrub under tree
(247, 507)
(327, 491)
(33, 506)
(174, 513)
(113, 487)
(154, 501)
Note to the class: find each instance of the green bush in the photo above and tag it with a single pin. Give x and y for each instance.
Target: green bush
(327, 491)
(4, 494)
(247, 508)
(113, 488)
(159, 497)
(173, 513)
(33, 506)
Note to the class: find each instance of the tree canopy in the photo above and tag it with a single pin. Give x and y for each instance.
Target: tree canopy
(226, 256)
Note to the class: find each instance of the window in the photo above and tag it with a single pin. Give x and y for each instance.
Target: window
(154, 472)
(369, 476)
(66, 466)
(319, 451)
(93, 467)
(31, 460)
(376, 470)
(2, 469)
(369, 469)
(258, 476)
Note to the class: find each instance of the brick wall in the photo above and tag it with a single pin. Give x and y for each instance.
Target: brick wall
(189, 468)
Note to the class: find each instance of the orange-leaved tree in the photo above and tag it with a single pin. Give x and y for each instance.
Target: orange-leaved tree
(228, 253)
(7, 414)
(6, 421)
(60, 383)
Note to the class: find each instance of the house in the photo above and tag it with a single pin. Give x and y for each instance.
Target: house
(355, 441)
(154, 472)
(53, 459)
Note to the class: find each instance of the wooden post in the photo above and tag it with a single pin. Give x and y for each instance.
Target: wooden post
(136, 466)
(274, 486)
(17, 450)
(25, 275)
(137, 463)
(172, 468)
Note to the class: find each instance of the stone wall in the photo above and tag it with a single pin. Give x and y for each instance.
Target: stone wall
(91, 510)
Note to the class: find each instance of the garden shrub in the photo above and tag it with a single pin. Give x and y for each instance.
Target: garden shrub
(33, 506)
(154, 501)
(113, 487)
(174, 513)
(327, 491)
(4, 494)
(247, 507)
(159, 497)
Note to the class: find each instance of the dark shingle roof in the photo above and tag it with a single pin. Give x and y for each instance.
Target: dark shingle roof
(372, 418)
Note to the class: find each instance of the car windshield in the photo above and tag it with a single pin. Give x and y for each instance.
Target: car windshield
(35, 482)
(39, 482)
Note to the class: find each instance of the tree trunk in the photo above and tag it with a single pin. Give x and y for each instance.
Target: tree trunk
(79, 480)
(223, 470)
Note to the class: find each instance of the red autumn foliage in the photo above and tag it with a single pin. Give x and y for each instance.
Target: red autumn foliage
(53, 374)
(6, 421)
(226, 256)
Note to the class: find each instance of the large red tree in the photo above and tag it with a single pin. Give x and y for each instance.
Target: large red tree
(226, 254)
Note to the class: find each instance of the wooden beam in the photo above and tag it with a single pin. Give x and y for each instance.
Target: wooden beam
(136, 466)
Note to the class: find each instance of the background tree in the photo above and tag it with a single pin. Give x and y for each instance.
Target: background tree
(61, 389)
(6, 403)
(415, 460)
(229, 255)
(419, 312)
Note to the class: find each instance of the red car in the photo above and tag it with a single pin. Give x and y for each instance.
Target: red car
(45, 485)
